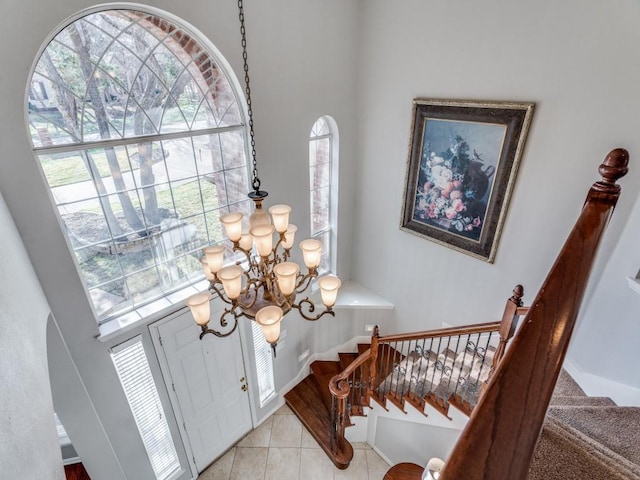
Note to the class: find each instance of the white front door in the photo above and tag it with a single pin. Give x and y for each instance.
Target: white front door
(209, 381)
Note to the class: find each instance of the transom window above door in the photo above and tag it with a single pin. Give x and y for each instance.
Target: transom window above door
(140, 136)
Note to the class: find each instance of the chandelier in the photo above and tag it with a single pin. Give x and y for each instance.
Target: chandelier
(264, 284)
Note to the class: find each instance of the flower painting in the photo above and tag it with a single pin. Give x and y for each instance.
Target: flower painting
(461, 171)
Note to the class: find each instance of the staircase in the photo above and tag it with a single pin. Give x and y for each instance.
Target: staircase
(586, 437)
(519, 428)
(441, 368)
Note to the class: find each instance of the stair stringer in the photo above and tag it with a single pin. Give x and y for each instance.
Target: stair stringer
(434, 420)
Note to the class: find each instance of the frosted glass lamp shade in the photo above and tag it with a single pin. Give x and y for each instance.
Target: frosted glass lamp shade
(269, 319)
(232, 225)
(286, 273)
(329, 286)
(246, 241)
(231, 278)
(433, 469)
(215, 257)
(311, 252)
(205, 268)
(263, 238)
(280, 217)
(289, 236)
(200, 307)
(259, 217)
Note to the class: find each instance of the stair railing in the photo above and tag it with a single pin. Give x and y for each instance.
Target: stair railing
(439, 367)
(499, 440)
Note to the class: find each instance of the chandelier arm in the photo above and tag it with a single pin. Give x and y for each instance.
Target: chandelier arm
(275, 249)
(305, 280)
(223, 323)
(247, 253)
(220, 293)
(245, 306)
(310, 309)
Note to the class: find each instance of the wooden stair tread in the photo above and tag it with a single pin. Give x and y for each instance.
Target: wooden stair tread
(346, 359)
(323, 371)
(315, 416)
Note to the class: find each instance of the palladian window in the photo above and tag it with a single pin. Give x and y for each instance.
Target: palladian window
(140, 137)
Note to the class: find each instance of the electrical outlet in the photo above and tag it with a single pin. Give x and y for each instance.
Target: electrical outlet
(368, 328)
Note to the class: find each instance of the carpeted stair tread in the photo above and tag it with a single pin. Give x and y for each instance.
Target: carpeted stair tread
(564, 453)
(579, 401)
(613, 427)
(566, 386)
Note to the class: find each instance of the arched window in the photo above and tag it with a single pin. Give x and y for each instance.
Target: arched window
(322, 150)
(140, 136)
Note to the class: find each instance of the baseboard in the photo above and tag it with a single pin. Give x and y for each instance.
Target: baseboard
(595, 386)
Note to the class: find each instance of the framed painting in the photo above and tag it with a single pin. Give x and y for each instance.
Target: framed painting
(462, 165)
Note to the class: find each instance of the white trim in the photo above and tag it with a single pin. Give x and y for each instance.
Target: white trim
(352, 295)
(154, 331)
(634, 284)
(595, 386)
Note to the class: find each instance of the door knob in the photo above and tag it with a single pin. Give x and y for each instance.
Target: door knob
(244, 388)
(242, 380)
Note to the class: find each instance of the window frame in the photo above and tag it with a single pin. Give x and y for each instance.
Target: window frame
(332, 198)
(161, 303)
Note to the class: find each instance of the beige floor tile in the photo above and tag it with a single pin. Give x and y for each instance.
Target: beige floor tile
(315, 465)
(221, 469)
(359, 445)
(286, 431)
(283, 464)
(259, 437)
(249, 463)
(376, 466)
(284, 410)
(307, 439)
(357, 469)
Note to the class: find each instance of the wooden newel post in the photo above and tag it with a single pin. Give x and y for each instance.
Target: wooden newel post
(373, 371)
(341, 414)
(499, 440)
(508, 325)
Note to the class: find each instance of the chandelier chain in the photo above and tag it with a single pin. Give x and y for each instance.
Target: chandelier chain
(255, 181)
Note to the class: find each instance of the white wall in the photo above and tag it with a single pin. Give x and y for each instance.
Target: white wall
(608, 333)
(29, 445)
(574, 59)
(302, 57)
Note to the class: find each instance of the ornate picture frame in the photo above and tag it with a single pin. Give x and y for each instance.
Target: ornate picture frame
(462, 165)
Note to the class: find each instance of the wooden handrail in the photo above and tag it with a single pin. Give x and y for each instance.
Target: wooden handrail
(443, 332)
(501, 435)
(334, 384)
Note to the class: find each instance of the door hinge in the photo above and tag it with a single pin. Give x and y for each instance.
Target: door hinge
(173, 387)
(194, 460)
(160, 340)
(184, 425)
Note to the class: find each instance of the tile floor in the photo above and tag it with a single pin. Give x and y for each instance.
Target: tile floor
(282, 449)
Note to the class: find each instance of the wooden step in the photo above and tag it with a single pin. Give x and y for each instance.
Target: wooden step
(346, 359)
(304, 401)
(323, 371)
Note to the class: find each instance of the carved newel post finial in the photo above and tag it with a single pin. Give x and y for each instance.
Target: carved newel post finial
(518, 293)
(612, 169)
